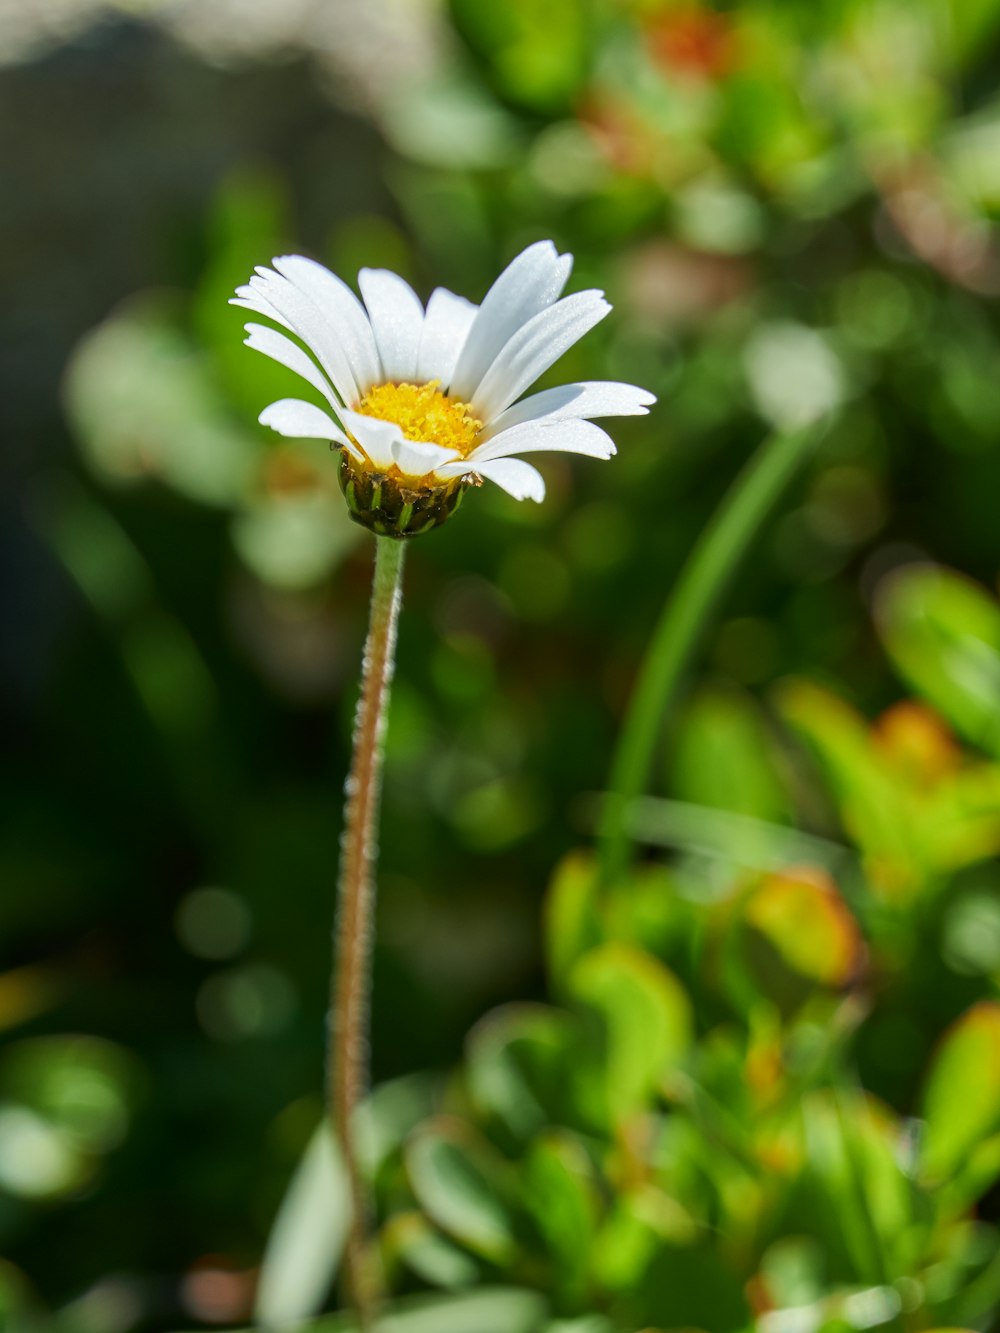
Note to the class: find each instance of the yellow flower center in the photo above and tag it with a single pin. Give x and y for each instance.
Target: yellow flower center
(423, 412)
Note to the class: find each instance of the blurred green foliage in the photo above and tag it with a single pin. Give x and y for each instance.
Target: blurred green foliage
(705, 1130)
(755, 1080)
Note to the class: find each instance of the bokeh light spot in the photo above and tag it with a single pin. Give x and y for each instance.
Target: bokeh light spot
(213, 923)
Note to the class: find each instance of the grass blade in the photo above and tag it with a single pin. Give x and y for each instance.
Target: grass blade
(685, 617)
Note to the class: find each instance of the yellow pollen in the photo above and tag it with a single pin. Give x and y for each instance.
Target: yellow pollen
(423, 412)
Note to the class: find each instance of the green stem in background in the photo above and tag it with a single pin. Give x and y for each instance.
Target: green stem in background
(684, 619)
(351, 981)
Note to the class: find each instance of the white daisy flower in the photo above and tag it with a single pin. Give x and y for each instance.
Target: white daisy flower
(423, 402)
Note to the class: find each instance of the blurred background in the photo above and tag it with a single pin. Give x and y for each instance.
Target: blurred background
(759, 1081)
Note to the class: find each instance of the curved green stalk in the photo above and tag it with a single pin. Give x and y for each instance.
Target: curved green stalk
(688, 610)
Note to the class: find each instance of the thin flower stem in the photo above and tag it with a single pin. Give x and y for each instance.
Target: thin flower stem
(351, 982)
(685, 617)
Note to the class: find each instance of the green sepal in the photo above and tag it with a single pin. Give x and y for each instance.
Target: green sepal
(386, 506)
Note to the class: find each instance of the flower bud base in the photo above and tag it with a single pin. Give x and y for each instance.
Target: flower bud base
(388, 506)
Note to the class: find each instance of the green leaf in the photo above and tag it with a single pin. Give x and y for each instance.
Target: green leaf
(855, 1192)
(644, 909)
(943, 633)
(517, 1059)
(588, 1324)
(489, 1310)
(561, 1197)
(486, 1311)
(961, 1100)
(389, 1114)
(977, 1174)
(896, 1214)
(646, 1018)
(798, 934)
(410, 1239)
(835, 1195)
(458, 1182)
(722, 758)
(969, 153)
(640, 1222)
(966, 29)
(571, 918)
(740, 840)
(871, 802)
(537, 54)
(307, 1238)
(962, 825)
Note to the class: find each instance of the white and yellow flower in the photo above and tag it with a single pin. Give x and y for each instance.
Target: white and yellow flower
(425, 402)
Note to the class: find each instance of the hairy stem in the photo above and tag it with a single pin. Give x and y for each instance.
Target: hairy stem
(351, 982)
(685, 616)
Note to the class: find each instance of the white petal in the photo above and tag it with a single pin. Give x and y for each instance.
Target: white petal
(315, 328)
(527, 285)
(334, 298)
(385, 444)
(416, 458)
(590, 398)
(518, 479)
(376, 438)
(560, 437)
(397, 318)
(282, 349)
(446, 327)
(248, 299)
(534, 348)
(301, 420)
